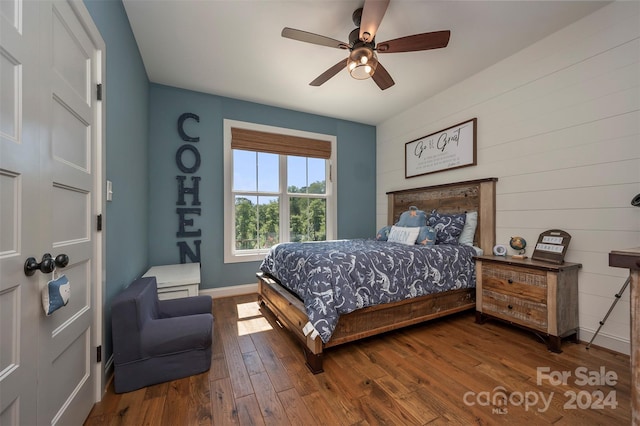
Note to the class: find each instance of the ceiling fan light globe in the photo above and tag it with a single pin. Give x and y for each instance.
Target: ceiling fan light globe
(362, 63)
(362, 72)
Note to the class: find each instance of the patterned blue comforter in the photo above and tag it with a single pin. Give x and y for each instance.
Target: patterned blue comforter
(338, 277)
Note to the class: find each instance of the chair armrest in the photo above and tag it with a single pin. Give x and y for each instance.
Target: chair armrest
(185, 306)
(172, 335)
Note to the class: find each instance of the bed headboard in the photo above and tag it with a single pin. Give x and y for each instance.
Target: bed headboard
(459, 197)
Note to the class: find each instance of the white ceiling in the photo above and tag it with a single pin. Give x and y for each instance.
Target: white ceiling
(233, 48)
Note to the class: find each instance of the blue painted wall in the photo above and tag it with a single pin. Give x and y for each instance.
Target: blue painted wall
(127, 140)
(141, 141)
(356, 175)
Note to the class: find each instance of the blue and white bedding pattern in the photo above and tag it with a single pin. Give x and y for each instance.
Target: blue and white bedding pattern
(337, 277)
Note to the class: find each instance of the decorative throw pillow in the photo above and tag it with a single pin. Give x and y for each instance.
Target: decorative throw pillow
(469, 230)
(404, 235)
(55, 294)
(412, 217)
(448, 226)
(383, 233)
(426, 236)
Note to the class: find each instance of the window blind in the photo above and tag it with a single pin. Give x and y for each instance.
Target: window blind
(274, 143)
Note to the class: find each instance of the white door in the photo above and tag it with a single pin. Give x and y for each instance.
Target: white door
(48, 176)
(19, 203)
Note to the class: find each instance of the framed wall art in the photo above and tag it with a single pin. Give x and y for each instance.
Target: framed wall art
(451, 148)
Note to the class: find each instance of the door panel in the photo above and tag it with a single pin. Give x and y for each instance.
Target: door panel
(72, 52)
(70, 137)
(9, 213)
(70, 215)
(10, 73)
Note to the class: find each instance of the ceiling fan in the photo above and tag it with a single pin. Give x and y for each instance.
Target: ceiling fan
(363, 62)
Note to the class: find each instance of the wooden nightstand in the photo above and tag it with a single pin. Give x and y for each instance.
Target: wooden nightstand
(535, 295)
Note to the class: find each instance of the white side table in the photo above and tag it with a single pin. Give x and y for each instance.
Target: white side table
(174, 281)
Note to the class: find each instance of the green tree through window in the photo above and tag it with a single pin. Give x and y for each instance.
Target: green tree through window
(258, 223)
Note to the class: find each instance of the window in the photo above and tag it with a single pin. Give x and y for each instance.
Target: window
(279, 187)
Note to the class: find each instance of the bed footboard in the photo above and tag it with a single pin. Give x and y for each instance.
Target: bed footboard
(291, 314)
(359, 324)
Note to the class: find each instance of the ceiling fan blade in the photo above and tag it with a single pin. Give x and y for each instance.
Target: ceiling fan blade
(382, 77)
(416, 42)
(372, 14)
(322, 78)
(312, 38)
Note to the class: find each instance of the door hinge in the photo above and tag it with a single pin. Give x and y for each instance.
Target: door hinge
(99, 92)
(99, 354)
(99, 222)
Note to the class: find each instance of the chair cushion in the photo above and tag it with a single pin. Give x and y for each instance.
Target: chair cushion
(179, 334)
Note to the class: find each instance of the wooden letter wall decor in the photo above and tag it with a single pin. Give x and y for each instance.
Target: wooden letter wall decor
(185, 214)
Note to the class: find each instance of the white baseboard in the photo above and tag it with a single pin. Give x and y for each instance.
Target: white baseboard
(108, 366)
(605, 340)
(235, 290)
(108, 375)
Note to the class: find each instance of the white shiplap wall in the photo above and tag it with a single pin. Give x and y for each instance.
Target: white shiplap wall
(559, 125)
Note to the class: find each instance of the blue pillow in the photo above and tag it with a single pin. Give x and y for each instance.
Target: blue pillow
(427, 236)
(383, 233)
(448, 226)
(412, 217)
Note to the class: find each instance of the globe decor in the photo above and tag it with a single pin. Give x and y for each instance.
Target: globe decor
(519, 244)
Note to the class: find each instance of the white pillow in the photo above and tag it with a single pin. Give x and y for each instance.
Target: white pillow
(404, 235)
(469, 230)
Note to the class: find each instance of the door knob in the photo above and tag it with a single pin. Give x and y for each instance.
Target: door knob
(61, 260)
(47, 265)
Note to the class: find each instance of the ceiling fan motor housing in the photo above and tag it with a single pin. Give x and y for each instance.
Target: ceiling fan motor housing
(355, 42)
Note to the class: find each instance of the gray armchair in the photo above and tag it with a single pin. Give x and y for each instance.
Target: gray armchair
(155, 341)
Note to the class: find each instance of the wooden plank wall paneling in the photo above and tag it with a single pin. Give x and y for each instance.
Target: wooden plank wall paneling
(559, 125)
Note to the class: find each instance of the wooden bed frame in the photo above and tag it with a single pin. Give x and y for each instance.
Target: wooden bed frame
(476, 195)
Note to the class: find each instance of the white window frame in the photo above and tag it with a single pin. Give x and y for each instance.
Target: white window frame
(231, 255)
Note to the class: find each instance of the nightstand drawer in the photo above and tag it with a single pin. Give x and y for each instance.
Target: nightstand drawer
(515, 309)
(520, 283)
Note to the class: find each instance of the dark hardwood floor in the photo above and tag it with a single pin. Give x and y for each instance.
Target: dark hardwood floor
(449, 371)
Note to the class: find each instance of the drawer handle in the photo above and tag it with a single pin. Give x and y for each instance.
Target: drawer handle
(510, 281)
(510, 306)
